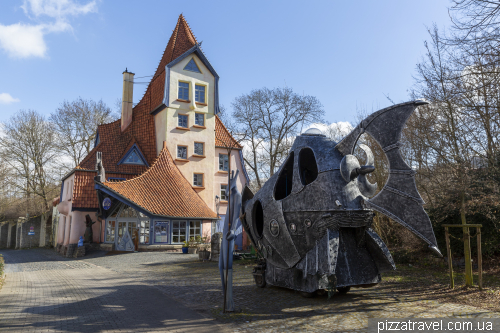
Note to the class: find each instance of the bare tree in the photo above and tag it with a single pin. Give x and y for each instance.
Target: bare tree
(76, 125)
(27, 147)
(267, 120)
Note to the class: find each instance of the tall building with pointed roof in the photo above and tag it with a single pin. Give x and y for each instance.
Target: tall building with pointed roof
(159, 174)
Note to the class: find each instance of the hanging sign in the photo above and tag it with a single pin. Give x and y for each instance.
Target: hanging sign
(106, 203)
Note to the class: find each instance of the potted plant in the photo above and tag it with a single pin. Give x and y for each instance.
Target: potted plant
(203, 253)
(192, 246)
(185, 247)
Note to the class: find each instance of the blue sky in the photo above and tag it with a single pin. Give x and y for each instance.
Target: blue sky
(346, 53)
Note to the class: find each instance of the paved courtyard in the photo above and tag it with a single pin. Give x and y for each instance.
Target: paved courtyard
(172, 292)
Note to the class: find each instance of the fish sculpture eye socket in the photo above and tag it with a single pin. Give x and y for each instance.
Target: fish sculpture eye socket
(308, 169)
(258, 219)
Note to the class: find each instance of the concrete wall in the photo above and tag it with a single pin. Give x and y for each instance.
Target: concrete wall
(221, 177)
(23, 240)
(4, 233)
(70, 224)
(167, 122)
(11, 237)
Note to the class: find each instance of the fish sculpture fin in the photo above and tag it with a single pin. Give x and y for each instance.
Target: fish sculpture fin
(247, 195)
(399, 198)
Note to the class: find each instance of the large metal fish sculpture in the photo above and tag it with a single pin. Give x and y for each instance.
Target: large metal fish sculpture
(312, 219)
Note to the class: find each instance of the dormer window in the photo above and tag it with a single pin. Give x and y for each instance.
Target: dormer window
(133, 158)
(183, 91)
(199, 94)
(192, 66)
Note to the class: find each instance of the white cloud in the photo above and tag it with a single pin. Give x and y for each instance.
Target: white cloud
(27, 40)
(6, 98)
(22, 41)
(58, 9)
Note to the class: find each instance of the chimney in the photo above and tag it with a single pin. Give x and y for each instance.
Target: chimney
(127, 98)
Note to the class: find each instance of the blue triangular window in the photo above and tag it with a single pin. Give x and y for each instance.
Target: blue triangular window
(134, 157)
(191, 66)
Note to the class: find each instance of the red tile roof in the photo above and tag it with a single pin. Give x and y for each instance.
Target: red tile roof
(163, 190)
(84, 194)
(114, 143)
(182, 39)
(222, 136)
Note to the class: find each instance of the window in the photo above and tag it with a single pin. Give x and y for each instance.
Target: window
(223, 192)
(198, 148)
(110, 231)
(199, 119)
(223, 162)
(191, 66)
(183, 120)
(144, 232)
(183, 91)
(115, 179)
(133, 156)
(194, 229)
(182, 152)
(198, 179)
(199, 94)
(128, 212)
(161, 232)
(178, 231)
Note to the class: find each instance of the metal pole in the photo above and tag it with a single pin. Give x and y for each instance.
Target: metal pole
(228, 214)
(479, 258)
(450, 260)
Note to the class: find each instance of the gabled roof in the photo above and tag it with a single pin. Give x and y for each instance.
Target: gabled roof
(182, 39)
(162, 190)
(223, 138)
(112, 142)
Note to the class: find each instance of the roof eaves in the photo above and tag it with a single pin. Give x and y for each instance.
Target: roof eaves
(100, 186)
(200, 54)
(73, 171)
(158, 109)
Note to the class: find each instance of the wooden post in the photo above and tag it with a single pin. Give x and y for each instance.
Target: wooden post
(450, 260)
(467, 257)
(465, 229)
(479, 258)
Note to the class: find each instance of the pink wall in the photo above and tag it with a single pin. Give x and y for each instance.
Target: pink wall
(222, 178)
